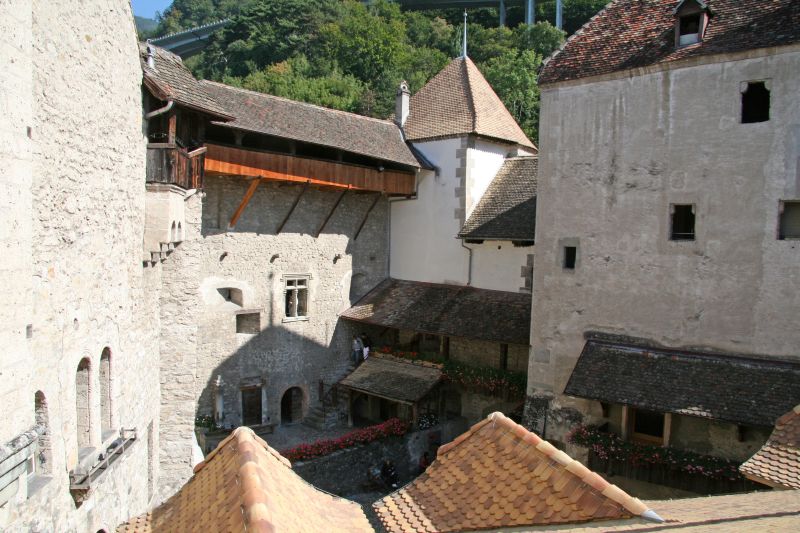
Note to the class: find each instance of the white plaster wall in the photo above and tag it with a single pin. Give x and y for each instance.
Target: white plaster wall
(484, 159)
(498, 265)
(614, 155)
(79, 227)
(16, 115)
(423, 230)
(164, 207)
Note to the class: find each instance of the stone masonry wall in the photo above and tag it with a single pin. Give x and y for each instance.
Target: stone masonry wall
(200, 343)
(74, 79)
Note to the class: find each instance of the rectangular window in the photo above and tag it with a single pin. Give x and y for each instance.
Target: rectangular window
(789, 227)
(647, 426)
(570, 257)
(682, 222)
(504, 357)
(755, 102)
(296, 297)
(689, 30)
(249, 323)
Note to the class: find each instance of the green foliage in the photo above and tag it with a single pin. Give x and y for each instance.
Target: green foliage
(574, 12)
(513, 77)
(351, 55)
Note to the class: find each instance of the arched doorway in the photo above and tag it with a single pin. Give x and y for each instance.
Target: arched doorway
(292, 405)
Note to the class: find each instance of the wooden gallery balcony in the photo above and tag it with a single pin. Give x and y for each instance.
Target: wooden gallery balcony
(234, 161)
(170, 164)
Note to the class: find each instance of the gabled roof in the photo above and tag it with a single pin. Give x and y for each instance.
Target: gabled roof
(459, 101)
(299, 121)
(630, 34)
(777, 463)
(743, 390)
(171, 80)
(500, 475)
(452, 310)
(244, 485)
(394, 378)
(507, 211)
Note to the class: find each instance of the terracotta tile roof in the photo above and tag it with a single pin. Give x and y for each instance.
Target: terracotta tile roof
(459, 101)
(394, 378)
(244, 485)
(507, 210)
(171, 80)
(630, 34)
(777, 463)
(299, 121)
(773, 511)
(739, 389)
(500, 475)
(453, 310)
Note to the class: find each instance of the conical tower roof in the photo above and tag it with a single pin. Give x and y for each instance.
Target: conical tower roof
(458, 101)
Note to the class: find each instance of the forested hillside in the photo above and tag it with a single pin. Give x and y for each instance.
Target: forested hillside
(350, 55)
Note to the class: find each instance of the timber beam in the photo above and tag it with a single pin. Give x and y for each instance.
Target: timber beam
(246, 200)
(330, 214)
(291, 210)
(366, 215)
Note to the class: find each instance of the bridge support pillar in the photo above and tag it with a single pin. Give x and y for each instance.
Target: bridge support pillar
(502, 13)
(530, 12)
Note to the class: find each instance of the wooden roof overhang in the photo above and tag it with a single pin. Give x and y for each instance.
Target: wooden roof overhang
(259, 165)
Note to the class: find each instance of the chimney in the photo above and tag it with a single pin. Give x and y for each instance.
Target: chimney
(151, 58)
(401, 106)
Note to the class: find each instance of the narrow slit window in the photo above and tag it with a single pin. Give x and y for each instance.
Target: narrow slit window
(570, 257)
(789, 221)
(296, 297)
(755, 103)
(682, 224)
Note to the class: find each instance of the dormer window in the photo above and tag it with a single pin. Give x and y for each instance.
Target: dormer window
(691, 19)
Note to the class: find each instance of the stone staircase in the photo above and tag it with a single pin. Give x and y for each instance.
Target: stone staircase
(158, 256)
(329, 413)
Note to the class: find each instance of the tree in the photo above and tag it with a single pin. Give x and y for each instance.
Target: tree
(513, 77)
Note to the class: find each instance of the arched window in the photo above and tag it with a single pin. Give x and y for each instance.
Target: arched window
(43, 461)
(173, 232)
(82, 403)
(105, 391)
(179, 236)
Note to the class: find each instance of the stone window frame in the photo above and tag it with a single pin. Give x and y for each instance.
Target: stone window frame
(673, 236)
(285, 280)
(744, 88)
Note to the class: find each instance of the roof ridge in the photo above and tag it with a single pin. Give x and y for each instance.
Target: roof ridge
(574, 467)
(469, 91)
(298, 102)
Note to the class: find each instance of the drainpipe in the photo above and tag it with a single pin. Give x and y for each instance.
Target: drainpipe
(469, 268)
(160, 110)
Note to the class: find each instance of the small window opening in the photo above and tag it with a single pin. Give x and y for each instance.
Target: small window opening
(682, 226)
(689, 29)
(504, 357)
(789, 221)
(296, 297)
(473, 241)
(570, 257)
(230, 294)
(648, 426)
(755, 103)
(251, 406)
(249, 323)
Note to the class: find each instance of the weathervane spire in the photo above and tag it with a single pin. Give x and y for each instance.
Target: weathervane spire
(464, 45)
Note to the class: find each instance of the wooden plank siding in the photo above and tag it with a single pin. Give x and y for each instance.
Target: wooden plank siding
(233, 161)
